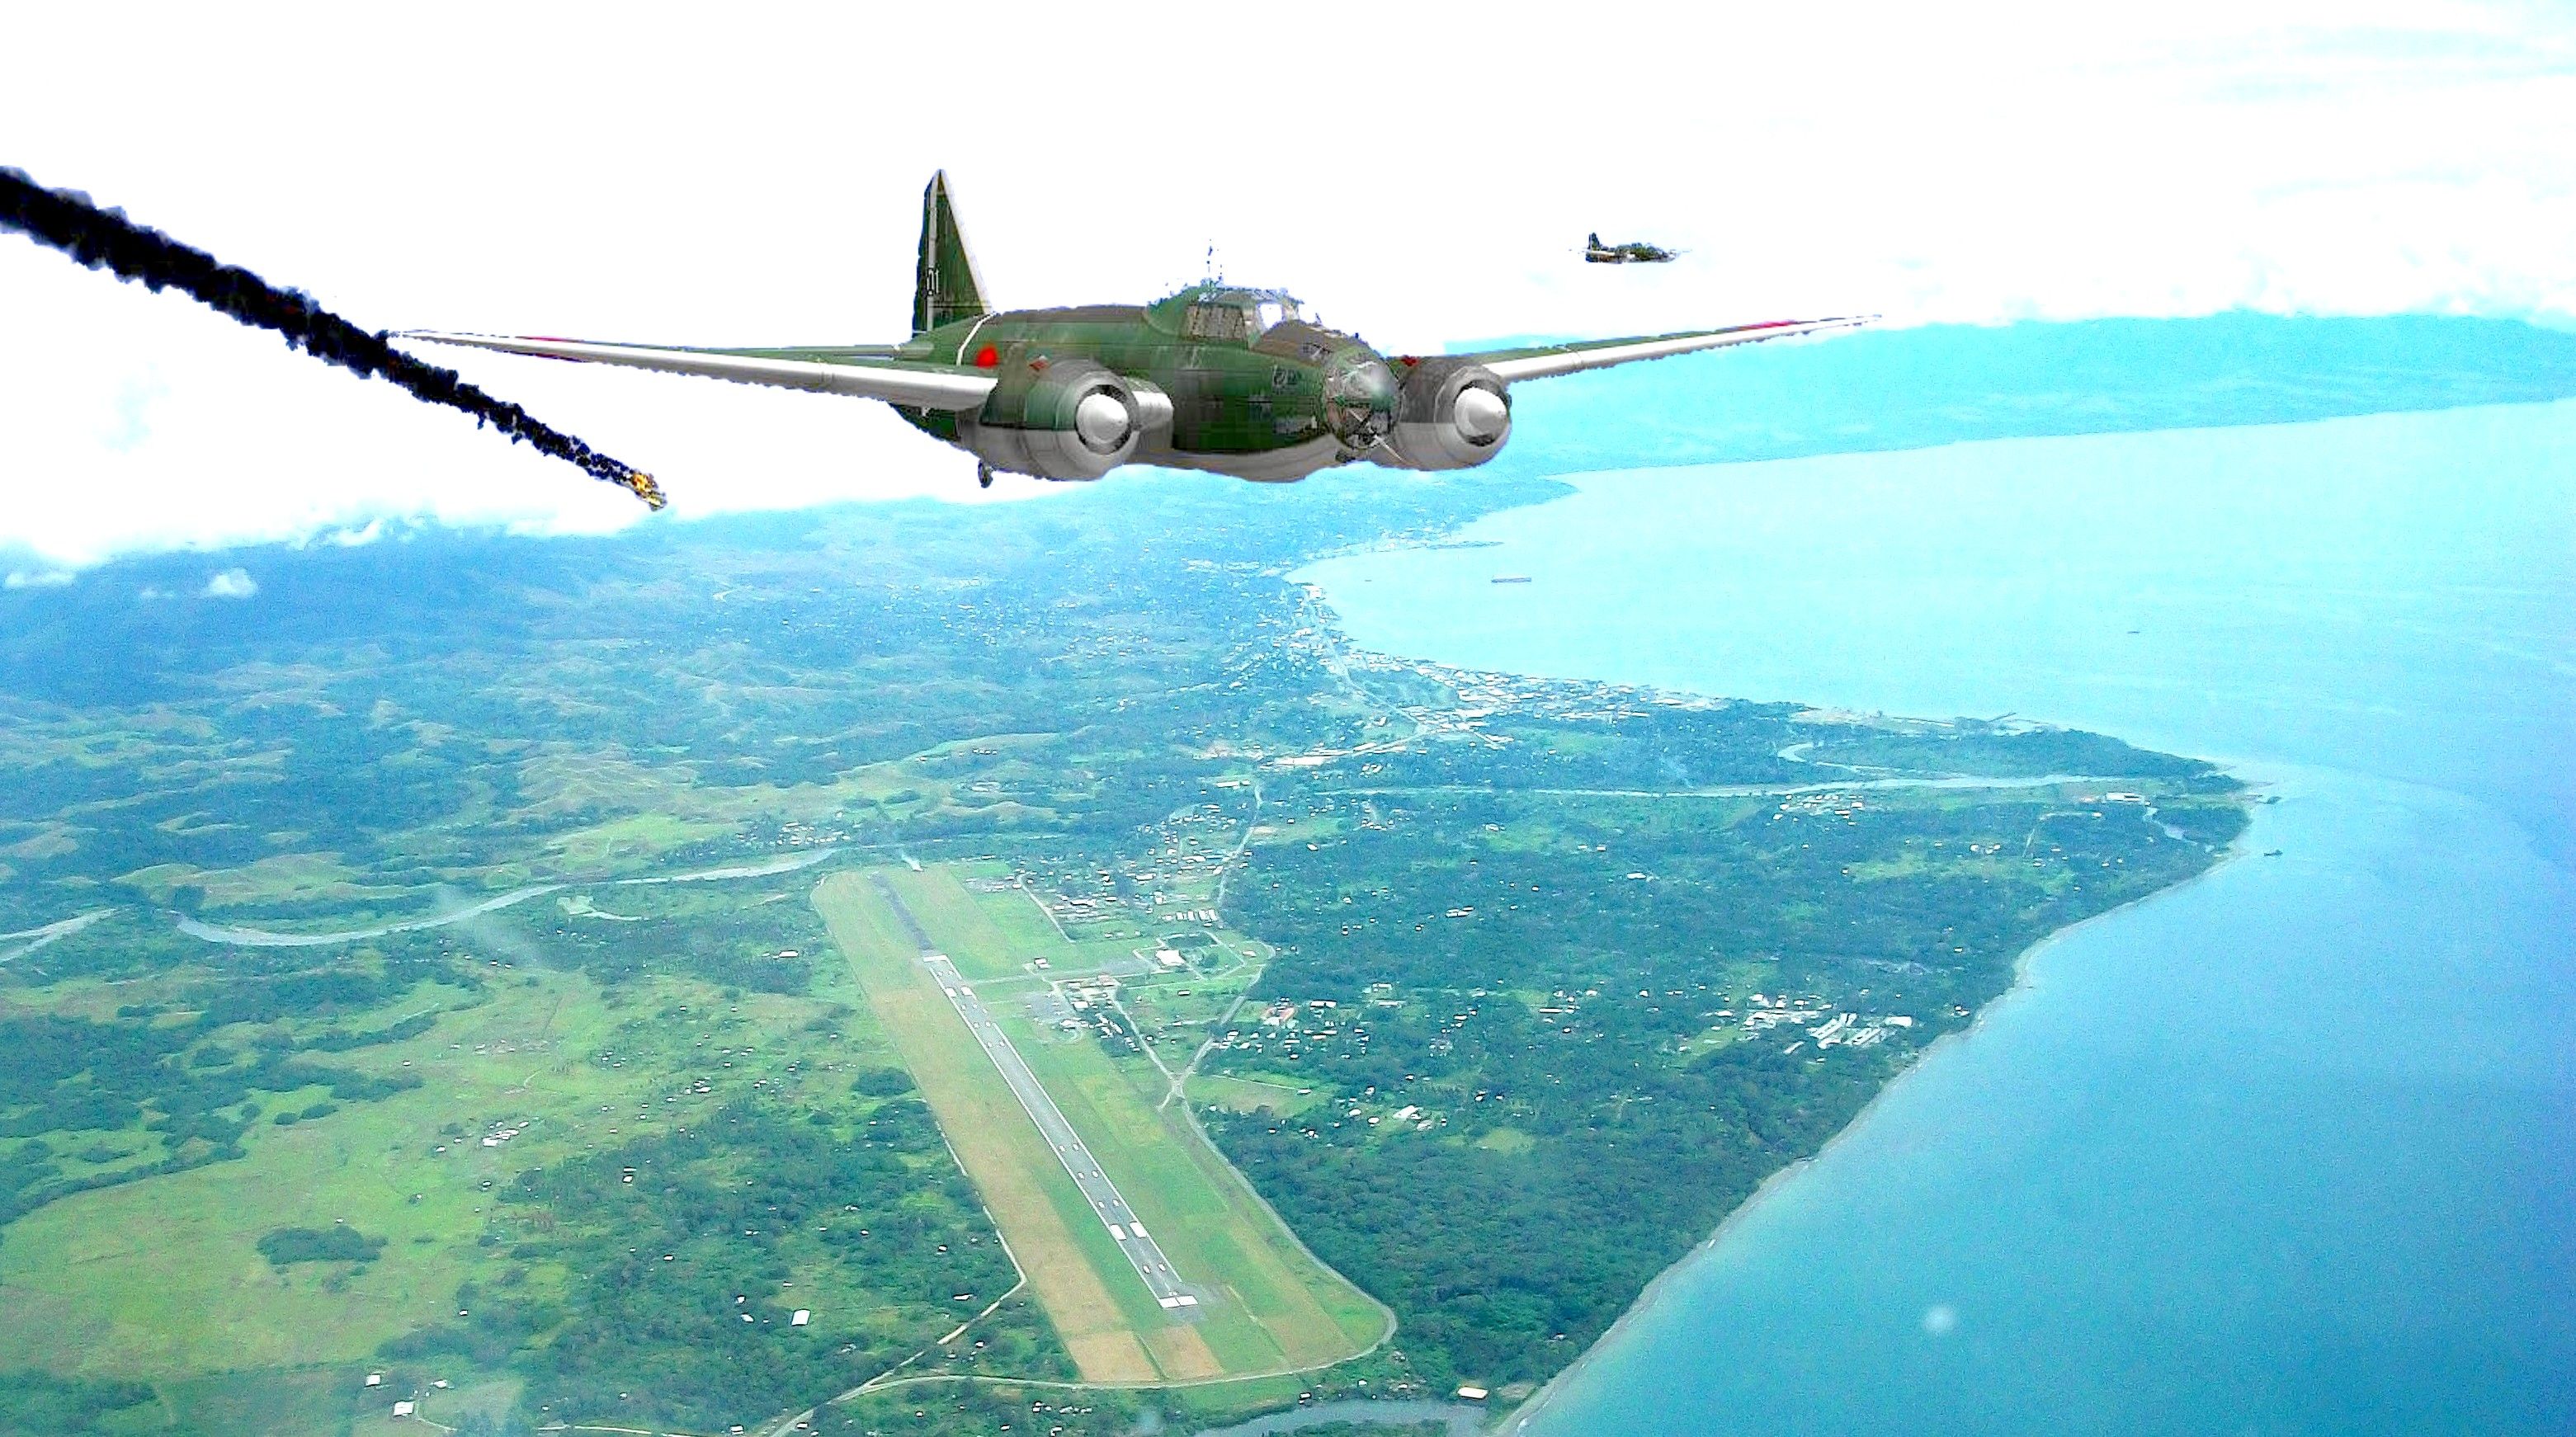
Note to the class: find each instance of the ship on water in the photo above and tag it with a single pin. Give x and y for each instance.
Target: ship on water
(1511, 578)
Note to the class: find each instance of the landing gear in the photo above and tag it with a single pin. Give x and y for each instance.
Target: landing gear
(983, 475)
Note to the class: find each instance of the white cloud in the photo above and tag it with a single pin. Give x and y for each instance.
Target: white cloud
(231, 584)
(1422, 178)
(37, 579)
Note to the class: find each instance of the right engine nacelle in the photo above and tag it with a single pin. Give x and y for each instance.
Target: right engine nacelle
(1062, 419)
(1450, 414)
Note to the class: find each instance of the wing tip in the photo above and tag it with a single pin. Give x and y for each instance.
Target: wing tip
(444, 336)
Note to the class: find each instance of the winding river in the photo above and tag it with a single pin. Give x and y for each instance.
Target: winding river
(264, 938)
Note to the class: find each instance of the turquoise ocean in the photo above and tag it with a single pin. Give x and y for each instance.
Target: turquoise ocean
(2288, 1150)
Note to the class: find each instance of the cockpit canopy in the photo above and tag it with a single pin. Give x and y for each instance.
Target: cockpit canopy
(1221, 312)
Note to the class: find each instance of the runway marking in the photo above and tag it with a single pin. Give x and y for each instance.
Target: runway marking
(1107, 1204)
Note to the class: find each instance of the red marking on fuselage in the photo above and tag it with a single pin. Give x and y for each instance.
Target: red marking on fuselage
(987, 357)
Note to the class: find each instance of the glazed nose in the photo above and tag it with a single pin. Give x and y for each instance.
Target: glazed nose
(1359, 401)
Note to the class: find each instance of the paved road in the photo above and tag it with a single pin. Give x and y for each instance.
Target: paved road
(1143, 1253)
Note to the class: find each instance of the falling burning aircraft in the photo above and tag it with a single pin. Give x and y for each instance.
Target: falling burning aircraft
(68, 221)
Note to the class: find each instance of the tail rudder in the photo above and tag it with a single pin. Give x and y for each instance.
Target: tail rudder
(944, 285)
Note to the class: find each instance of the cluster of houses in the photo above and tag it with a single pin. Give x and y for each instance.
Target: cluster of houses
(1478, 694)
(1820, 805)
(1093, 1003)
(796, 833)
(1824, 1026)
(1172, 884)
(1290, 1037)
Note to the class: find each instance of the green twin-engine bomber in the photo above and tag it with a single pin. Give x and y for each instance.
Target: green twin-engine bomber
(1627, 252)
(1217, 377)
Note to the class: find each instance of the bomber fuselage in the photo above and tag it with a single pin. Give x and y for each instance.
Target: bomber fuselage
(1241, 382)
(1238, 381)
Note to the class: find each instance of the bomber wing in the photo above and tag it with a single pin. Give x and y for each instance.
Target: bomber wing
(866, 371)
(1542, 361)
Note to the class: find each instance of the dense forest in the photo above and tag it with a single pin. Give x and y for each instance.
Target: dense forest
(36, 1404)
(1561, 994)
(683, 1249)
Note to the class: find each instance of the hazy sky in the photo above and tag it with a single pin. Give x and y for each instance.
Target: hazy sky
(1421, 174)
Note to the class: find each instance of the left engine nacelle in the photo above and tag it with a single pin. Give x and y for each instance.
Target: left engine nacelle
(1449, 414)
(1062, 419)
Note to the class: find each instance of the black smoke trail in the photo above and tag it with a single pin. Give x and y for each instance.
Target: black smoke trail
(106, 239)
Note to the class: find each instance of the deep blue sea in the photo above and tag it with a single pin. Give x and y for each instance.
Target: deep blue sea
(2289, 1150)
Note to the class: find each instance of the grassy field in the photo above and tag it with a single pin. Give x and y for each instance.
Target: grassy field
(284, 878)
(1208, 1222)
(1022, 1186)
(1244, 1095)
(996, 935)
(161, 1277)
(1278, 1309)
(162, 1281)
(968, 933)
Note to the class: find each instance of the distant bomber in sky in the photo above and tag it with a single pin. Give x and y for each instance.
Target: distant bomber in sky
(1633, 252)
(1237, 381)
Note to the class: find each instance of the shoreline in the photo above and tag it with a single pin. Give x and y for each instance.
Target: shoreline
(2257, 778)
(2023, 982)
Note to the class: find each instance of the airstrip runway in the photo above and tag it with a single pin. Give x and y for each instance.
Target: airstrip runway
(1143, 1253)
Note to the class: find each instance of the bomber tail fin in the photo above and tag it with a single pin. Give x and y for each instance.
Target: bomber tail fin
(944, 287)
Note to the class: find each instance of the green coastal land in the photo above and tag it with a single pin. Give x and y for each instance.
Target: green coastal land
(486, 974)
(496, 1001)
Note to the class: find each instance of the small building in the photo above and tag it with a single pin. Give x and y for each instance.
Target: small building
(402, 1409)
(800, 1317)
(375, 1379)
(1471, 1394)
